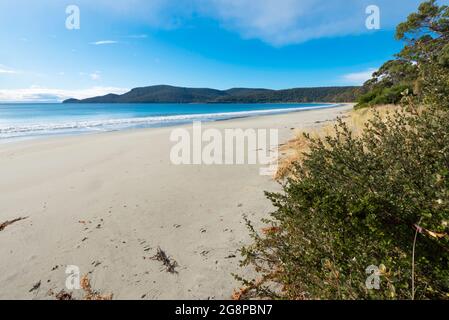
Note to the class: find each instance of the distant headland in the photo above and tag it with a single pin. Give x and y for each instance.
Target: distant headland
(172, 94)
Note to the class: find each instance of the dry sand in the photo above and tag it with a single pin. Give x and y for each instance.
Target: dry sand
(106, 202)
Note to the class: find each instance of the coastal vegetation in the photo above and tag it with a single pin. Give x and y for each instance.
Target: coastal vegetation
(424, 56)
(364, 211)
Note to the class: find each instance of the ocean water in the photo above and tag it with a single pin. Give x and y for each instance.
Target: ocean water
(27, 121)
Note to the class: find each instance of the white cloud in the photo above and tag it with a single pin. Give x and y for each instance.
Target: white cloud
(42, 94)
(138, 36)
(358, 78)
(95, 76)
(6, 70)
(103, 42)
(276, 22)
(283, 22)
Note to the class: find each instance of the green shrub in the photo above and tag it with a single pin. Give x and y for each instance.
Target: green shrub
(365, 99)
(360, 201)
(380, 96)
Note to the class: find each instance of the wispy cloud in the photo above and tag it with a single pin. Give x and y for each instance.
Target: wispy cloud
(95, 75)
(103, 42)
(284, 22)
(6, 70)
(358, 78)
(138, 36)
(276, 22)
(42, 94)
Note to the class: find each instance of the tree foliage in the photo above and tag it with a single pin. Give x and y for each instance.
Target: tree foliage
(426, 37)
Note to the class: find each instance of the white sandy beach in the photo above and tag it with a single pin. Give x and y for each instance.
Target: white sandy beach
(105, 202)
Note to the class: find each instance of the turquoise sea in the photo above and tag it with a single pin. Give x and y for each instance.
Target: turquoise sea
(24, 121)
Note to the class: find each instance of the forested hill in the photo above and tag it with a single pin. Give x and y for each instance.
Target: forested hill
(170, 94)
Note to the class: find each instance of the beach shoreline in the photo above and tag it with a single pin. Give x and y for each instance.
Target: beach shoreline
(50, 123)
(106, 202)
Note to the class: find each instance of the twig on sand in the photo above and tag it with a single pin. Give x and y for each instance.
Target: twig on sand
(7, 223)
(36, 286)
(169, 264)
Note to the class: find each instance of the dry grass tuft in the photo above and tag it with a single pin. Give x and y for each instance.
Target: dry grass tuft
(270, 230)
(295, 150)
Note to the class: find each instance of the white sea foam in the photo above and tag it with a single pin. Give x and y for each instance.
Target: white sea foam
(20, 130)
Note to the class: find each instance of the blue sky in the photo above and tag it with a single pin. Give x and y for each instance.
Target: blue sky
(198, 43)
